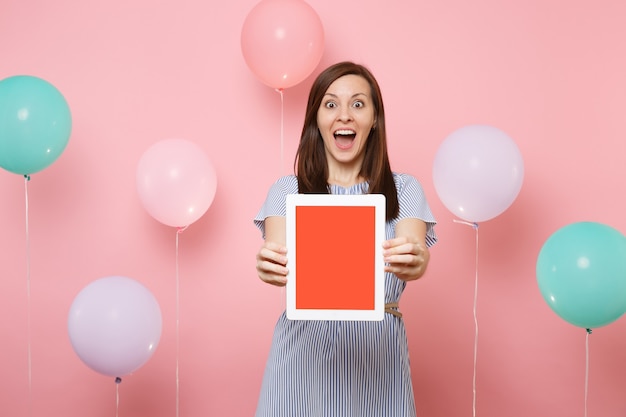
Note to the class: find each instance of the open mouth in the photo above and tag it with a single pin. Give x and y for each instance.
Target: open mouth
(344, 138)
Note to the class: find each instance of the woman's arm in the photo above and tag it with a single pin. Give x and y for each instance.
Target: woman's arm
(271, 259)
(407, 255)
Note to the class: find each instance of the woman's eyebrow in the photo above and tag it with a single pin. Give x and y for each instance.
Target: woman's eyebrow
(353, 95)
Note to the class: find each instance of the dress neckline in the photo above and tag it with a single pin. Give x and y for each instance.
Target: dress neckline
(358, 188)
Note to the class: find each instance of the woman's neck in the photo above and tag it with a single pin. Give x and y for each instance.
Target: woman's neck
(345, 178)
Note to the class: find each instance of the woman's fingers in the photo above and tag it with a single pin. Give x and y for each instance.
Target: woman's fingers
(400, 250)
(271, 264)
(405, 258)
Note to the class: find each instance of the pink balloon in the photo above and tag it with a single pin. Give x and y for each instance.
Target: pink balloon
(114, 325)
(478, 172)
(282, 41)
(176, 182)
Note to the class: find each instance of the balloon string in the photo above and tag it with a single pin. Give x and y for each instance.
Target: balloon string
(587, 368)
(178, 232)
(118, 380)
(28, 301)
(475, 323)
(282, 153)
(475, 226)
(282, 138)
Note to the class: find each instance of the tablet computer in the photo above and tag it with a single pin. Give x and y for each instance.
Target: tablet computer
(334, 253)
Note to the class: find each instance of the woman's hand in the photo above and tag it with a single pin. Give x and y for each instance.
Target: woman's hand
(271, 261)
(406, 257)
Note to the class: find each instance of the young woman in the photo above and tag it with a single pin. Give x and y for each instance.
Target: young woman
(345, 368)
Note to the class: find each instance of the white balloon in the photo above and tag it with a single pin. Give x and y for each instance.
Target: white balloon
(478, 172)
(115, 325)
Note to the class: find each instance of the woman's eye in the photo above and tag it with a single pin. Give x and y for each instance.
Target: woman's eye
(330, 104)
(358, 104)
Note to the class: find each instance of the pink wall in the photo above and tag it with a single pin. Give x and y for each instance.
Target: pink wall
(552, 74)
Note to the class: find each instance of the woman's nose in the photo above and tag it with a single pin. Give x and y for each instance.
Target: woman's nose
(345, 114)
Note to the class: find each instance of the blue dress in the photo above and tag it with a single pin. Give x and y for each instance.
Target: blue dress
(342, 368)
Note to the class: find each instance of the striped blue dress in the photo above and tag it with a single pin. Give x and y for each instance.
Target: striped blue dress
(342, 368)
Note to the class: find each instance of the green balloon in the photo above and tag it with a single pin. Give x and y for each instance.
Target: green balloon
(35, 124)
(581, 272)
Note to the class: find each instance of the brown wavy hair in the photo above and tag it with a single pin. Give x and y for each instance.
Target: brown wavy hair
(311, 166)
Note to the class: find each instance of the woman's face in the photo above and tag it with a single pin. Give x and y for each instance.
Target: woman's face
(345, 118)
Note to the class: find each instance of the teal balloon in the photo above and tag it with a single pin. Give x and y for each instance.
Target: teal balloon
(581, 273)
(35, 124)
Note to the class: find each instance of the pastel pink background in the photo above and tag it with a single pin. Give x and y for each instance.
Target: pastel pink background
(552, 74)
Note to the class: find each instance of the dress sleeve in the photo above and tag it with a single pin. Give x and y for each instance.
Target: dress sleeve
(275, 202)
(413, 204)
